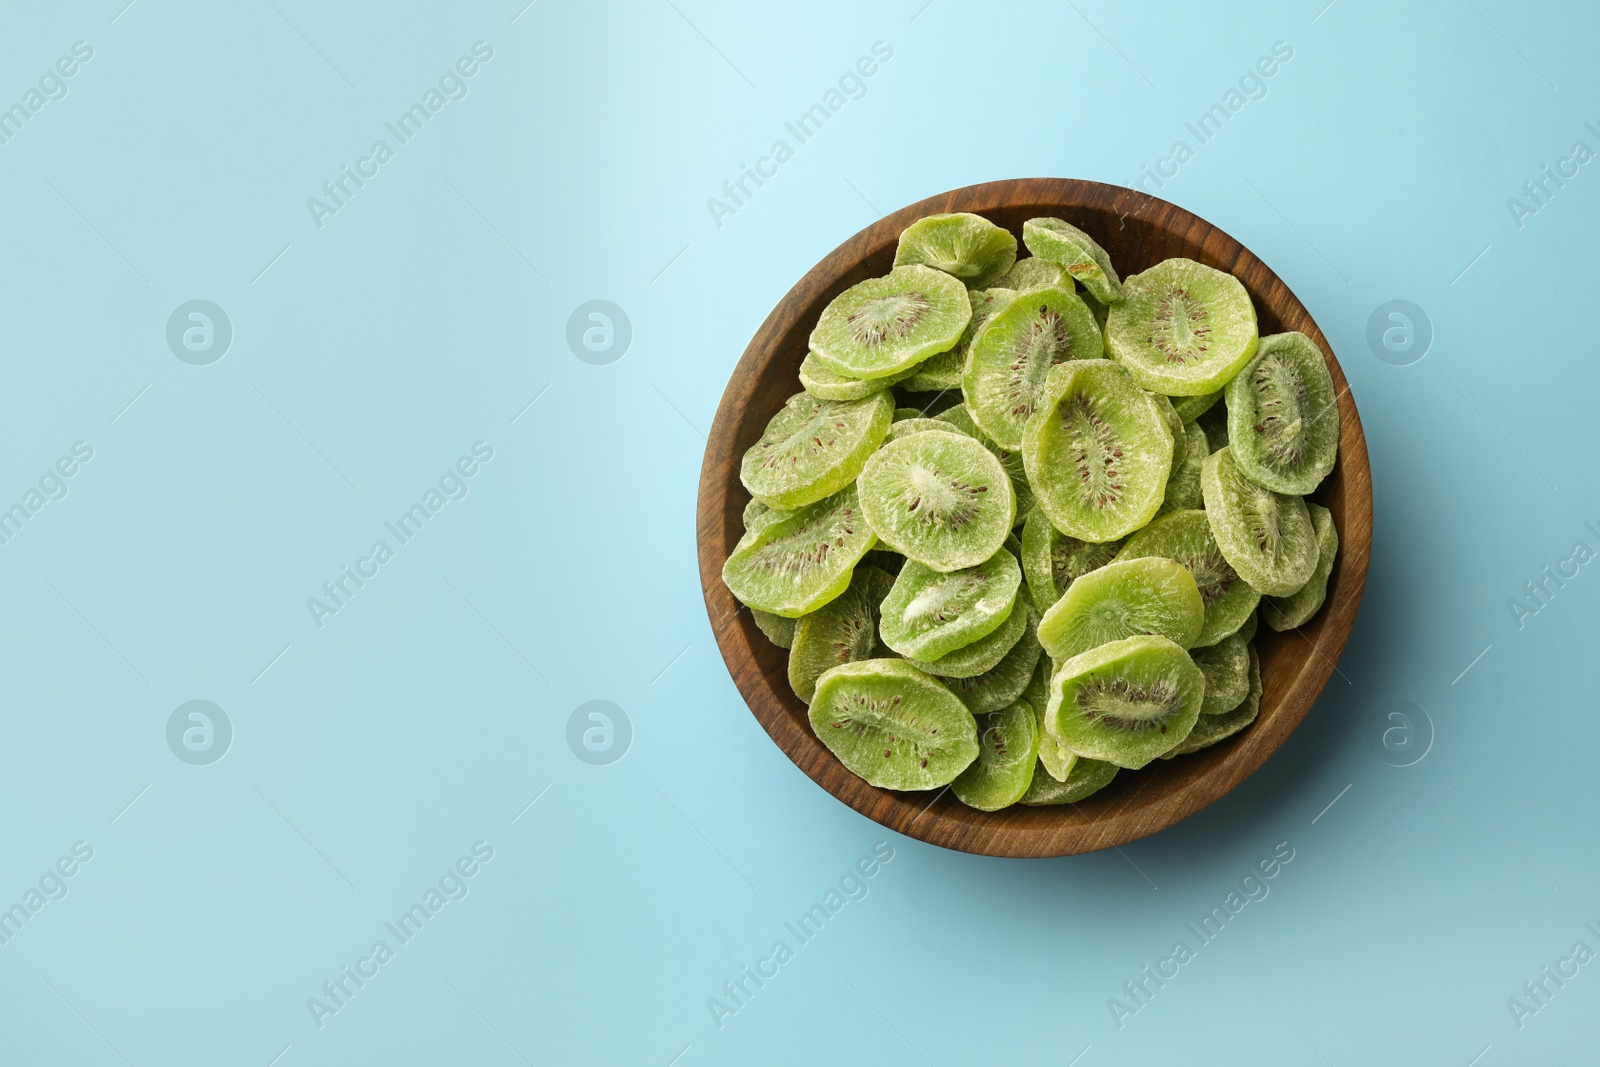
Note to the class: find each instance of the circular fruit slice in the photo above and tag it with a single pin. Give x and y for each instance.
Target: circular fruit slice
(940, 498)
(1052, 561)
(821, 382)
(843, 630)
(1008, 750)
(1062, 243)
(907, 427)
(779, 630)
(1183, 328)
(1190, 408)
(930, 613)
(1010, 358)
(1285, 613)
(1035, 273)
(1097, 452)
(893, 725)
(1149, 595)
(1126, 702)
(984, 654)
(1185, 536)
(1265, 536)
(1006, 680)
(1209, 729)
(814, 448)
(799, 563)
(1183, 488)
(1283, 415)
(1085, 777)
(1226, 666)
(944, 370)
(968, 246)
(885, 325)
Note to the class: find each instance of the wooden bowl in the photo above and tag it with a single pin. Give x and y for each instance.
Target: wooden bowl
(1138, 231)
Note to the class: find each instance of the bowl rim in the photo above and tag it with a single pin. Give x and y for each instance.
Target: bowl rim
(1113, 818)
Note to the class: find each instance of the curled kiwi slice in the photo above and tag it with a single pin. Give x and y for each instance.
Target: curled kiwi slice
(814, 448)
(843, 630)
(1148, 595)
(1226, 666)
(1185, 536)
(1283, 415)
(1035, 273)
(907, 427)
(1126, 702)
(1209, 729)
(1008, 750)
(962, 244)
(1052, 561)
(1006, 680)
(1056, 758)
(1183, 328)
(1062, 243)
(1190, 408)
(821, 382)
(940, 498)
(1265, 536)
(882, 326)
(1097, 452)
(930, 613)
(943, 371)
(779, 630)
(1010, 358)
(984, 654)
(1183, 488)
(893, 725)
(797, 564)
(1084, 777)
(1285, 613)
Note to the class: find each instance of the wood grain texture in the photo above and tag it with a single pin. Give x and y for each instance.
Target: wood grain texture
(1139, 231)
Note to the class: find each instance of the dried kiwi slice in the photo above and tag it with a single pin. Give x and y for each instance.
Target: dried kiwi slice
(1283, 415)
(843, 630)
(1126, 702)
(799, 563)
(814, 448)
(822, 383)
(1190, 408)
(1183, 328)
(1183, 488)
(1052, 561)
(968, 246)
(1180, 436)
(940, 498)
(1035, 273)
(757, 513)
(893, 725)
(1010, 359)
(929, 613)
(1226, 666)
(1056, 241)
(1098, 452)
(1209, 729)
(1056, 758)
(943, 371)
(1086, 776)
(986, 652)
(907, 427)
(1265, 536)
(1148, 595)
(1186, 536)
(779, 630)
(1285, 613)
(1008, 750)
(1006, 680)
(960, 418)
(881, 326)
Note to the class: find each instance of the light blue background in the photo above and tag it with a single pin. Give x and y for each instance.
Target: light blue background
(425, 316)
